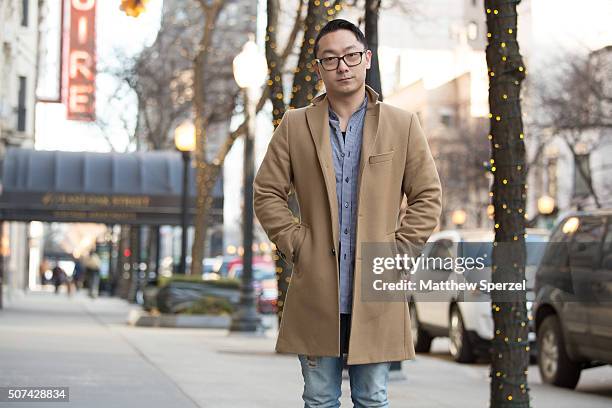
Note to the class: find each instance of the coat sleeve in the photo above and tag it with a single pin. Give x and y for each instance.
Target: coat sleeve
(421, 185)
(271, 190)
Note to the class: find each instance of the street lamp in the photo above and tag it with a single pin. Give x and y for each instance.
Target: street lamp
(250, 71)
(458, 218)
(184, 140)
(546, 209)
(490, 211)
(546, 205)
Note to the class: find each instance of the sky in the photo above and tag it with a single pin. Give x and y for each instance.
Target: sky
(560, 26)
(115, 32)
(557, 26)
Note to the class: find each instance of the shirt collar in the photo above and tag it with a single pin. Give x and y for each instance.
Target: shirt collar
(334, 117)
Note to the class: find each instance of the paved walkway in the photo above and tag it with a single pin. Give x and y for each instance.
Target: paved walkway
(85, 344)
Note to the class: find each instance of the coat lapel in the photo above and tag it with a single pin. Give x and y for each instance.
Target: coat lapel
(318, 121)
(370, 130)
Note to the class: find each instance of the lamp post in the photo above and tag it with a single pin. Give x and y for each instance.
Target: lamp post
(458, 218)
(546, 209)
(184, 140)
(250, 71)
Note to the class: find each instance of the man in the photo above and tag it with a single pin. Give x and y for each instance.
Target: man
(350, 159)
(92, 273)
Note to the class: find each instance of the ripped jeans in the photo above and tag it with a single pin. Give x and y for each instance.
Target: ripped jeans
(323, 378)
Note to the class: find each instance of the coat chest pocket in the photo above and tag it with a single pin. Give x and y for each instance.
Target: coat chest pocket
(380, 158)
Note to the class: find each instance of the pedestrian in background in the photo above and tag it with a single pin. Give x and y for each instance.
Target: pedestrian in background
(92, 272)
(345, 149)
(78, 274)
(60, 278)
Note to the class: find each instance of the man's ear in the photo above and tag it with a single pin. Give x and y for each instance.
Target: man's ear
(316, 69)
(368, 56)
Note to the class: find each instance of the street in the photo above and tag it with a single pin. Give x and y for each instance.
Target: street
(84, 344)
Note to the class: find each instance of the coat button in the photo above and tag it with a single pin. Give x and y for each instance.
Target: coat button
(333, 251)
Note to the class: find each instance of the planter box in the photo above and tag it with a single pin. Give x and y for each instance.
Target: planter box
(144, 319)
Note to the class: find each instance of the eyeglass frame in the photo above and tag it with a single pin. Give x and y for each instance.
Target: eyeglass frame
(320, 62)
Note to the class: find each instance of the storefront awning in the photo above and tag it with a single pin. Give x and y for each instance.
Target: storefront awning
(111, 188)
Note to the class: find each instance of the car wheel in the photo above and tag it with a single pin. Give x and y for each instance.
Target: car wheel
(420, 338)
(555, 365)
(460, 347)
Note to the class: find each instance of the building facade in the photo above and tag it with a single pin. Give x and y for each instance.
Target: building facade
(19, 51)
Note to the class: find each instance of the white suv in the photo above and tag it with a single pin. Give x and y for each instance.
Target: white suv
(469, 324)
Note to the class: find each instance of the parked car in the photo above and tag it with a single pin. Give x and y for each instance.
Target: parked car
(573, 304)
(267, 297)
(211, 268)
(261, 271)
(265, 285)
(468, 324)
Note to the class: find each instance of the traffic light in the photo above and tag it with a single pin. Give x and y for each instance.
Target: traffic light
(133, 8)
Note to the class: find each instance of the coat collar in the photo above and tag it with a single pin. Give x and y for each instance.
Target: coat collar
(317, 116)
(371, 93)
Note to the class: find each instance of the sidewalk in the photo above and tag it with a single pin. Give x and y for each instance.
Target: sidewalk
(50, 340)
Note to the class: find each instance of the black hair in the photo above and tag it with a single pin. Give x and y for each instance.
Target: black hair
(339, 24)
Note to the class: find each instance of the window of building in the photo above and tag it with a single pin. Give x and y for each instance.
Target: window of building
(446, 116)
(21, 105)
(25, 12)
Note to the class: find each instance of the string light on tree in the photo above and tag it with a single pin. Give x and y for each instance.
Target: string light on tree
(133, 8)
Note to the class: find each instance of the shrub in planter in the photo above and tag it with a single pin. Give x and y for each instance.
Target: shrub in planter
(179, 293)
(210, 305)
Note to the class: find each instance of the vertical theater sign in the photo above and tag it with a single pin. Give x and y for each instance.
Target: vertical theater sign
(80, 61)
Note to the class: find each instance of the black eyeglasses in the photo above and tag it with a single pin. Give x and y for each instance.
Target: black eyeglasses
(332, 63)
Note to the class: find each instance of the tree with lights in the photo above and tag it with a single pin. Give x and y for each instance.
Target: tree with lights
(372, 7)
(510, 351)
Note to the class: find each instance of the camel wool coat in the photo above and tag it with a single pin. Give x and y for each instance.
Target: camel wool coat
(395, 161)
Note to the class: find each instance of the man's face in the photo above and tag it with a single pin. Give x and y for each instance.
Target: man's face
(343, 80)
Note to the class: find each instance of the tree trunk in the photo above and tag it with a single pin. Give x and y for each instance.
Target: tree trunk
(371, 33)
(305, 79)
(275, 78)
(510, 351)
(204, 194)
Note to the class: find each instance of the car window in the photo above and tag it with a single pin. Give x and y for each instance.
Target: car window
(557, 251)
(536, 247)
(585, 247)
(589, 230)
(259, 272)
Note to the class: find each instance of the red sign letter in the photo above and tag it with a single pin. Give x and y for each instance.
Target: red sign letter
(81, 66)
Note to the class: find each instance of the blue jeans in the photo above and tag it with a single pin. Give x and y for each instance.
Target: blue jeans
(323, 378)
